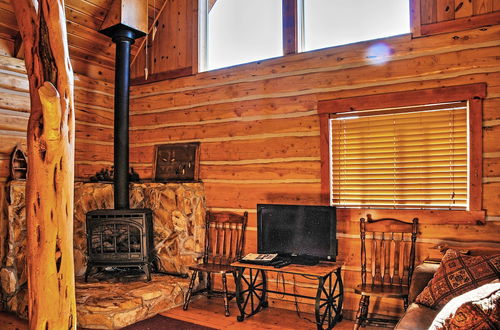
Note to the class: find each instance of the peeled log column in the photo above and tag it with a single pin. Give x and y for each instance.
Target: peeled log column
(49, 188)
(50, 225)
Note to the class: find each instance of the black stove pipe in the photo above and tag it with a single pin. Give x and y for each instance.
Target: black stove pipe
(123, 38)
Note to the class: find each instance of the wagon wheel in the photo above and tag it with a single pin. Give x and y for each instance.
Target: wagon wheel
(328, 307)
(251, 292)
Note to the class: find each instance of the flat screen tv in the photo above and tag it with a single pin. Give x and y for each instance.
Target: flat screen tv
(303, 232)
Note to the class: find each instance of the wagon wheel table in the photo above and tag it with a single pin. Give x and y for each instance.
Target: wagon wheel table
(251, 289)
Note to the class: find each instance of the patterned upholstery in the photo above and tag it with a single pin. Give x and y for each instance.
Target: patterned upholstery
(457, 274)
(476, 309)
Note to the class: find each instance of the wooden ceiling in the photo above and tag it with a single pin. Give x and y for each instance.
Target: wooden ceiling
(84, 19)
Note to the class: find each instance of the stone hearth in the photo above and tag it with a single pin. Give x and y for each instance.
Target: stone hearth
(106, 305)
(178, 218)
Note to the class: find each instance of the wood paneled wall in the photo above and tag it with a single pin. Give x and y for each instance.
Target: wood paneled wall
(259, 131)
(433, 11)
(173, 50)
(94, 116)
(439, 16)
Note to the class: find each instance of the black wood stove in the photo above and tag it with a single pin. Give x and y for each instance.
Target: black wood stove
(121, 237)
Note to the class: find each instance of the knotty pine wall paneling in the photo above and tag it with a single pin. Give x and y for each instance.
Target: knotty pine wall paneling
(439, 16)
(259, 132)
(173, 51)
(433, 11)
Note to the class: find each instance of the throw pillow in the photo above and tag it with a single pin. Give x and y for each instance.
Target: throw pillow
(476, 309)
(457, 274)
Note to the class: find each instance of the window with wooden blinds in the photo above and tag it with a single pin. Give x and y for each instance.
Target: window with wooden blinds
(405, 157)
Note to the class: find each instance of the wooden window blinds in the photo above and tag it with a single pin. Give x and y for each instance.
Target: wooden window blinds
(406, 157)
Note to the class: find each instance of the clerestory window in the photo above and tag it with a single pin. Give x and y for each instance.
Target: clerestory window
(327, 23)
(233, 32)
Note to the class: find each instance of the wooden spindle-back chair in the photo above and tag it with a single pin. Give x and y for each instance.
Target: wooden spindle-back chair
(387, 262)
(224, 242)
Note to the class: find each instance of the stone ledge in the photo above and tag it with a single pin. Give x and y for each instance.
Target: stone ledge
(109, 305)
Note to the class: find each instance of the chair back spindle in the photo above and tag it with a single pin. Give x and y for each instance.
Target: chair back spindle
(387, 251)
(224, 237)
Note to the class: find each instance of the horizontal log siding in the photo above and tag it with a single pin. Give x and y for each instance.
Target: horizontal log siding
(94, 117)
(259, 131)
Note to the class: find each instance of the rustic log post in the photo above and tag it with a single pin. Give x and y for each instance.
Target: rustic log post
(50, 182)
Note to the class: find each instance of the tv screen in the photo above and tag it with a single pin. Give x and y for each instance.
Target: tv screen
(297, 230)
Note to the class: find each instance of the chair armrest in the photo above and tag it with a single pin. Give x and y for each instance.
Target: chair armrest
(422, 274)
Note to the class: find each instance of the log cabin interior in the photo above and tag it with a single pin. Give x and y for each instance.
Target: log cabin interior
(124, 118)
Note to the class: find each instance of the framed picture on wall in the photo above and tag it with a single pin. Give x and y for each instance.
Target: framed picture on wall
(177, 162)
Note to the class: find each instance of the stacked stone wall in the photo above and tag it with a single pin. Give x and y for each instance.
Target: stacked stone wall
(178, 220)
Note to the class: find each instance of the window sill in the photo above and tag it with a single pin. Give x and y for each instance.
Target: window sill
(436, 217)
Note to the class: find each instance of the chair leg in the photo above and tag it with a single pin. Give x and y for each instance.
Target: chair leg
(209, 285)
(190, 290)
(362, 313)
(405, 303)
(224, 293)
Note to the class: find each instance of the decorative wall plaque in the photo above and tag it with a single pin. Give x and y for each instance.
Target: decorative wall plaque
(177, 162)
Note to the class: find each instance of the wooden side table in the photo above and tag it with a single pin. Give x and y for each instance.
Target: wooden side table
(251, 290)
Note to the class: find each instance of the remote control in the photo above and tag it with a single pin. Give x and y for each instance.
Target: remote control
(281, 264)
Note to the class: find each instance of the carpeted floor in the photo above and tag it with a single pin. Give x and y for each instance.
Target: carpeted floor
(160, 322)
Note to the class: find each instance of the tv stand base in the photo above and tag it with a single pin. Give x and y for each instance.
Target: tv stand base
(251, 290)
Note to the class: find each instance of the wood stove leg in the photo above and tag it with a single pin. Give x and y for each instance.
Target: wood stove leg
(87, 272)
(190, 290)
(224, 293)
(147, 270)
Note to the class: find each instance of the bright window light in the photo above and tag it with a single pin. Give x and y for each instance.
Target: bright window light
(241, 31)
(328, 23)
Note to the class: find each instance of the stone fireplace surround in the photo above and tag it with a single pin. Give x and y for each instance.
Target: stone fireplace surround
(178, 218)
